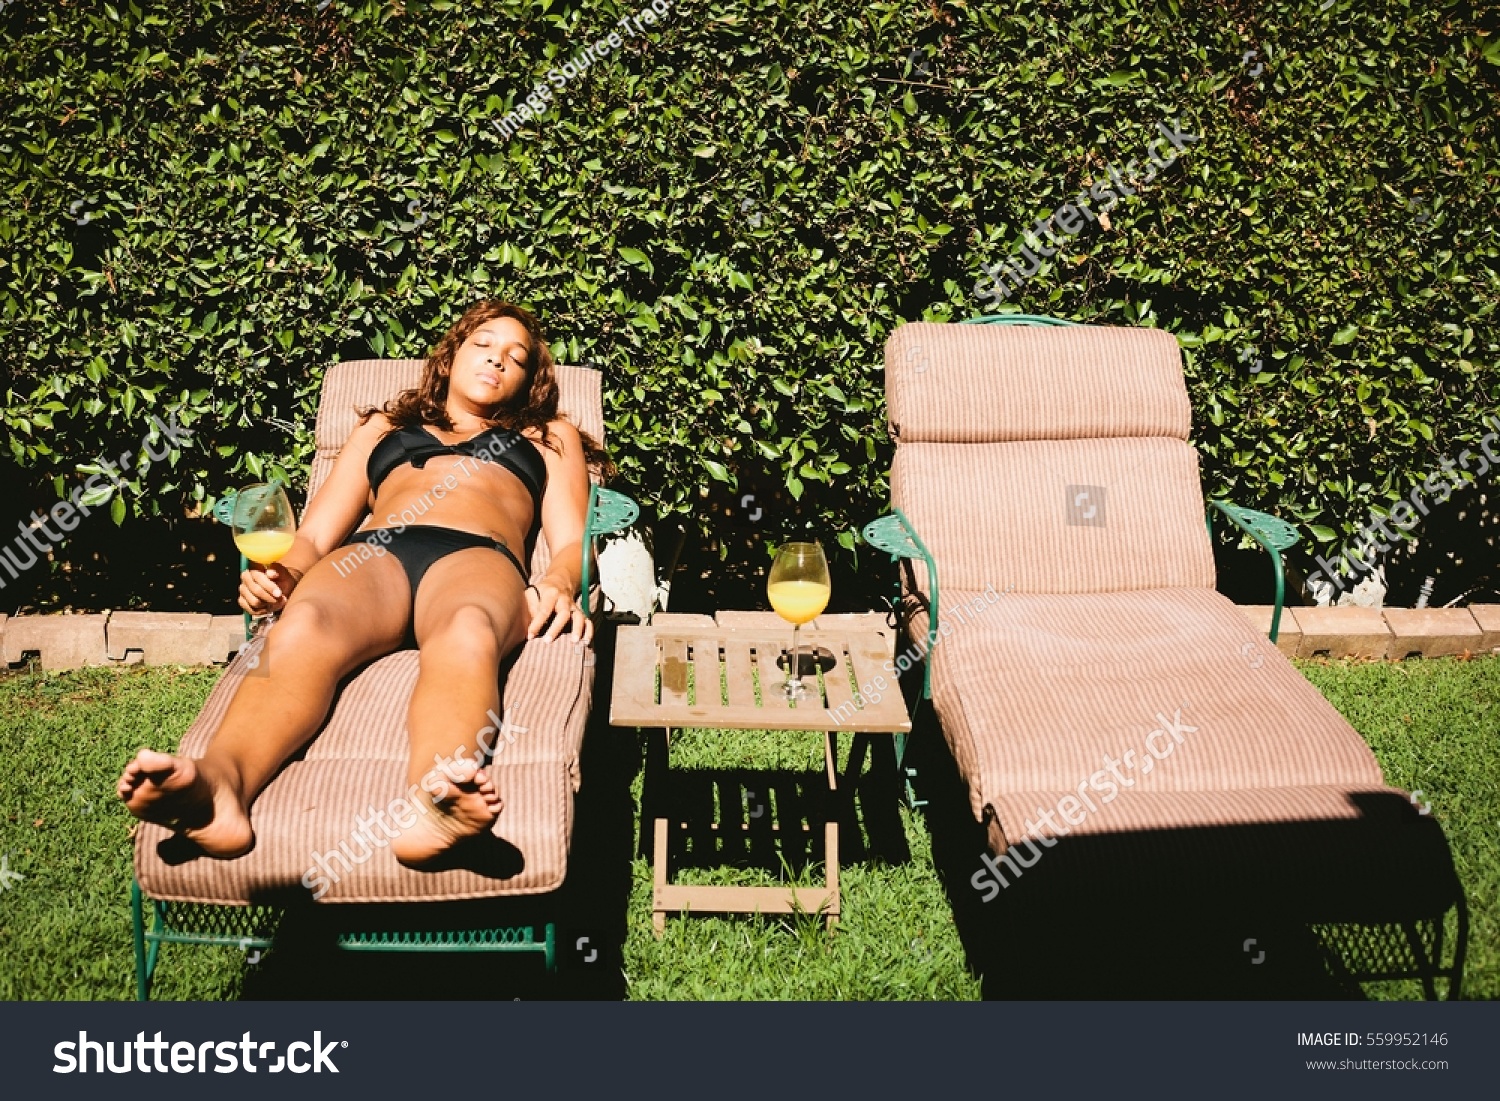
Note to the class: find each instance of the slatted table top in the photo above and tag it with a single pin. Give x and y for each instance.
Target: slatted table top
(694, 672)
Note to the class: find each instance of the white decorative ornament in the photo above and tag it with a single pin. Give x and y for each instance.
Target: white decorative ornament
(627, 572)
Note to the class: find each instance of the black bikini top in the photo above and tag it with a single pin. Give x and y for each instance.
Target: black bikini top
(505, 446)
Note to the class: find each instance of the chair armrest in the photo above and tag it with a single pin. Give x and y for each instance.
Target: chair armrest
(1273, 534)
(897, 536)
(608, 512)
(223, 511)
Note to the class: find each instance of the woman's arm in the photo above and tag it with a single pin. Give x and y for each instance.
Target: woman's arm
(563, 515)
(338, 506)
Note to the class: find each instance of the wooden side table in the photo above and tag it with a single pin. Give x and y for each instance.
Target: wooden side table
(736, 686)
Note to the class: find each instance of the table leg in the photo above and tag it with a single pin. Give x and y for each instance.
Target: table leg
(831, 861)
(659, 878)
(831, 827)
(660, 808)
(857, 753)
(654, 794)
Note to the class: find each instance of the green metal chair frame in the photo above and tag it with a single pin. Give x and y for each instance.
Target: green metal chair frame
(192, 923)
(897, 536)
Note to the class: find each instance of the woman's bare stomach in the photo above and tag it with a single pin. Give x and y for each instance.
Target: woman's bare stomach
(484, 499)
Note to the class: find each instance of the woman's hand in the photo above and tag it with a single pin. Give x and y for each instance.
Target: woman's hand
(547, 601)
(264, 589)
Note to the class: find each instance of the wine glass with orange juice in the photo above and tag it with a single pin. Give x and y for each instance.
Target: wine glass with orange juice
(798, 587)
(264, 525)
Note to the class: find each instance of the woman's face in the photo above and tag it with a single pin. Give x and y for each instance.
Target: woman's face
(489, 368)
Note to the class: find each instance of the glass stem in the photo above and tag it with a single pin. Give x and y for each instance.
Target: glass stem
(793, 674)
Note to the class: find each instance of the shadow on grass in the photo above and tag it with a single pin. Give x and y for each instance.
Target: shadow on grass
(772, 819)
(1297, 910)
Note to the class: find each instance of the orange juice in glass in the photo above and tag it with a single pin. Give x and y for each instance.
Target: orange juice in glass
(264, 525)
(798, 588)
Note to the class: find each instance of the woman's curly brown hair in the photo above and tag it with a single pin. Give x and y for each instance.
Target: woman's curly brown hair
(536, 408)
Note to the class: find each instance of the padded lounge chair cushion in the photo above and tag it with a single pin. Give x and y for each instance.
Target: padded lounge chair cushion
(1033, 690)
(997, 514)
(991, 383)
(358, 762)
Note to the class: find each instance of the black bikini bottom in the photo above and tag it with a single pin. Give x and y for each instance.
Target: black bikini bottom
(418, 547)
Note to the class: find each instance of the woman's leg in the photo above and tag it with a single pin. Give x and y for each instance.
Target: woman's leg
(331, 624)
(471, 612)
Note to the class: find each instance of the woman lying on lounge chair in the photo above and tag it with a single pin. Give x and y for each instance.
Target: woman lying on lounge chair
(479, 453)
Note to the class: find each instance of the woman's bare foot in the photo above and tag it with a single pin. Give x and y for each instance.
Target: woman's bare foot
(467, 809)
(177, 792)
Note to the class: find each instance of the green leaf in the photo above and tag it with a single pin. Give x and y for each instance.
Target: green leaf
(636, 258)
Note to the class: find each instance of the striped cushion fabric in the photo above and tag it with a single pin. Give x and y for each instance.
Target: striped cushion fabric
(1059, 516)
(1268, 791)
(1033, 691)
(992, 383)
(1156, 810)
(348, 387)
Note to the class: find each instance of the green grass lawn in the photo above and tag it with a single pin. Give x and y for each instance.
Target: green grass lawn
(64, 928)
(1435, 726)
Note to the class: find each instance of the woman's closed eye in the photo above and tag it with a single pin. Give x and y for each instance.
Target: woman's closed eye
(516, 353)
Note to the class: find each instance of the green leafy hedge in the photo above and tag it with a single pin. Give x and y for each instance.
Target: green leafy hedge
(207, 202)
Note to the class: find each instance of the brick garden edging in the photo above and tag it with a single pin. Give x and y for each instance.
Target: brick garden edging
(1394, 633)
(198, 638)
(121, 638)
